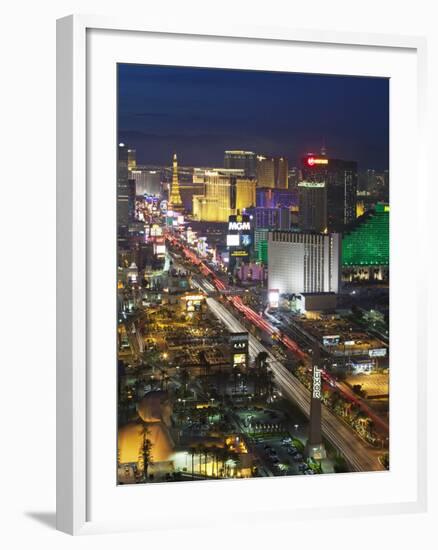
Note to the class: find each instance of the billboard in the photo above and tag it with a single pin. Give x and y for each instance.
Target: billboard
(239, 223)
(273, 297)
(239, 348)
(379, 352)
(332, 340)
(239, 226)
(239, 253)
(246, 240)
(160, 249)
(233, 240)
(239, 359)
(238, 337)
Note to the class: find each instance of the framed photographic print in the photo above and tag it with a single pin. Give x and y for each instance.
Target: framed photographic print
(234, 210)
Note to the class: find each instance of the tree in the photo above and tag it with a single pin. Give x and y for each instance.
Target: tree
(214, 457)
(184, 377)
(145, 452)
(340, 465)
(206, 453)
(192, 453)
(164, 379)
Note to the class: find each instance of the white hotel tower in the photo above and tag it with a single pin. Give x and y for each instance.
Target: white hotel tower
(304, 262)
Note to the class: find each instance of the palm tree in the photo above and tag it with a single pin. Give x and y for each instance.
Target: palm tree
(200, 451)
(206, 453)
(269, 383)
(192, 452)
(145, 454)
(237, 462)
(214, 457)
(184, 375)
(261, 367)
(225, 456)
(164, 379)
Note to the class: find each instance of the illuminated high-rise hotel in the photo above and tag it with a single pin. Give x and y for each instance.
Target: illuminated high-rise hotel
(304, 262)
(281, 169)
(226, 192)
(265, 171)
(312, 196)
(340, 178)
(241, 160)
(175, 195)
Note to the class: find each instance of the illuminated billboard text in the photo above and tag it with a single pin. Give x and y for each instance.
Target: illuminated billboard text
(239, 226)
(316, 385)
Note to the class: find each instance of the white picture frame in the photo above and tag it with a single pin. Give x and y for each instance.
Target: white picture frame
(76, 215)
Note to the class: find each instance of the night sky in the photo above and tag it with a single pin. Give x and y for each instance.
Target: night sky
(198, 113)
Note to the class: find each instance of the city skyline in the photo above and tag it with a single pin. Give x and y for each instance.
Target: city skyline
(199, 113)
(252, 286)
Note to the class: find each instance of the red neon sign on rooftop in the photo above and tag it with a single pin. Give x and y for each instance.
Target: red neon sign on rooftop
(311, 161)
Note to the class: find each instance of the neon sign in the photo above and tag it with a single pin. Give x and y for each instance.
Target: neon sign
(311, 161)
(316, 386)
(239, 226)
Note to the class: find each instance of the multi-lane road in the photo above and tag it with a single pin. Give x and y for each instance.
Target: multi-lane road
(359, 455)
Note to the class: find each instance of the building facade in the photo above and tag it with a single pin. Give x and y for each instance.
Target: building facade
(241, 160)
(225, 194)
(271, 218)
(312, 200)
(340, 178)
(147, 182)
(265, 171)
(270, 198)
(125, 195)
(281, 172)
(304, 262)
(365, 247)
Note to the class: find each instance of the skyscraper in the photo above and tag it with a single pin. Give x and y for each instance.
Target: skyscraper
(304, 262)
(241, 160)
(175, 195)
(147, 181)
(281, 171)
(271, 218)
(312, 198)
(132, 159)
(365, 247)
(265, 171)
(225, 194)
(122, 193)
(340, 177)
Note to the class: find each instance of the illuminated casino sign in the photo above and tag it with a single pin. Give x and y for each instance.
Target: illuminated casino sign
(239, 226)
(239, 223)
(316, 385)
(312, 161)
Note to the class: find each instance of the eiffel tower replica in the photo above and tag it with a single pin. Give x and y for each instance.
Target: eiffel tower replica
(175, 196)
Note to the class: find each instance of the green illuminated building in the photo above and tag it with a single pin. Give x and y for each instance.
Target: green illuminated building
(366, 244)
(262, 251)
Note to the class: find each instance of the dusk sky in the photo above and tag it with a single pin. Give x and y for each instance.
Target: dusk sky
(198, 113)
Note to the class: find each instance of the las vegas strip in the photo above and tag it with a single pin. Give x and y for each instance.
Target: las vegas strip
(252, 274)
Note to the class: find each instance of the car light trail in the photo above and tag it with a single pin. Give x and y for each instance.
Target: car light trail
(264, 325)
